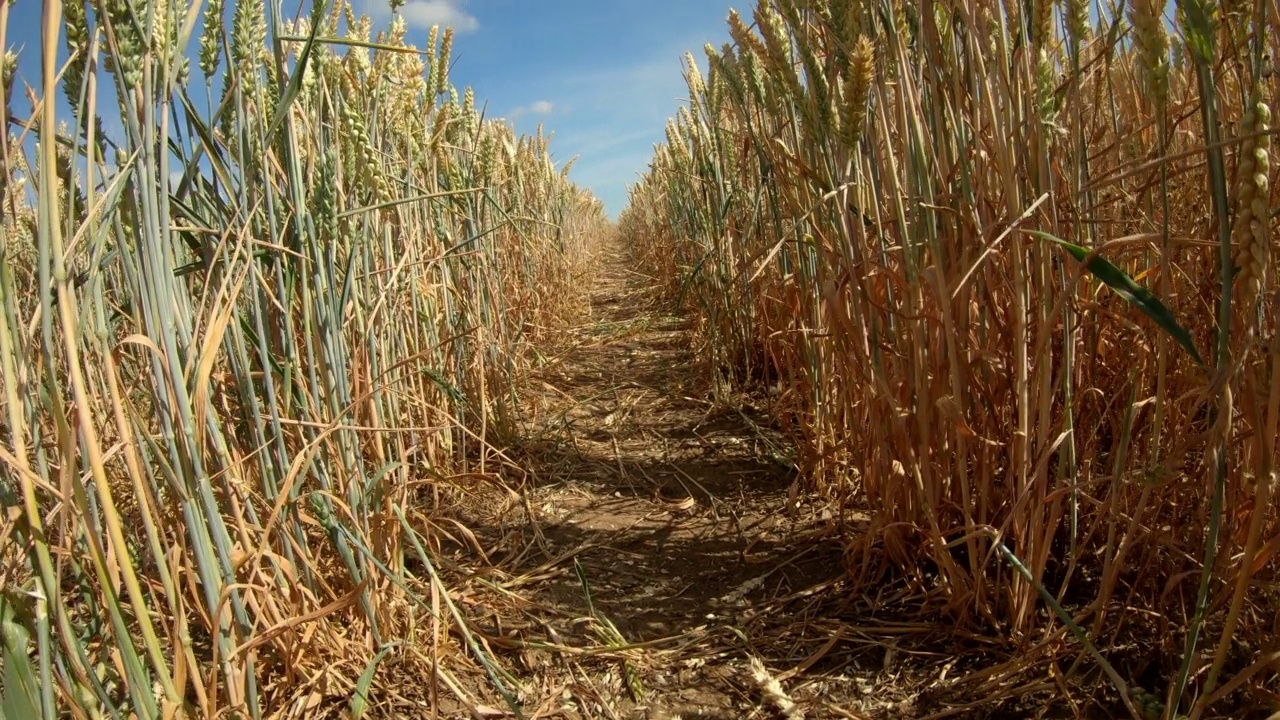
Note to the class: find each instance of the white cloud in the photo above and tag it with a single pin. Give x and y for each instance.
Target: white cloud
(445, 13)
(540, 107)
(619, 113)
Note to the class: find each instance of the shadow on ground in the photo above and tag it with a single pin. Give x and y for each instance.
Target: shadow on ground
(649, 546)
(650, 524)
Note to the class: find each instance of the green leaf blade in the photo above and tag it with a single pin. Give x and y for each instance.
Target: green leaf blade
(1136, 295)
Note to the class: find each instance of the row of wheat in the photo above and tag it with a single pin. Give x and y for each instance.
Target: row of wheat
(244, 340)
(1008, 266)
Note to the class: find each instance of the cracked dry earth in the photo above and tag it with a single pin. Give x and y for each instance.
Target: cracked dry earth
(647, 554)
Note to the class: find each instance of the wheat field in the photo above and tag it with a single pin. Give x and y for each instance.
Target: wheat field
(274, 289)
(1008, 268)
(242, 341)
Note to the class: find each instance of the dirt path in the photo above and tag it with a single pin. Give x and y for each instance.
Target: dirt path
(648, 553)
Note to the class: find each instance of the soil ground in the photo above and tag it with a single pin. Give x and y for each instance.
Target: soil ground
(651, 549)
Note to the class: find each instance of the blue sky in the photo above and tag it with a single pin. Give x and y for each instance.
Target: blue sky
(602, 76)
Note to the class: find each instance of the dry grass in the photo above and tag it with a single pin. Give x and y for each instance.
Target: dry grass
(861, 205)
